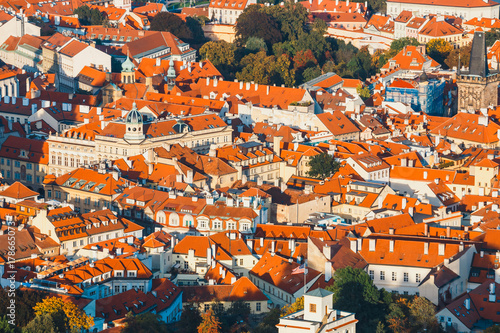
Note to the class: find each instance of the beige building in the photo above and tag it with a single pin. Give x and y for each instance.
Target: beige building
(133, 135)
(86, 189)
(206, 297)
(50, 62)
(24, 160)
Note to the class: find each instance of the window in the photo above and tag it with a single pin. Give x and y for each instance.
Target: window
(29, 178)
(17, 164)
(372, 274)
(117, 289)
(124, 289)
(257, 306)
(49, 194)
(382, 275)
(417, 277)
(29, 166)
(207, 307)
(217, 225)
(405, 277)
(241, 262)
(186, 265)
(394, 276)
(312, 308)
(17, 176)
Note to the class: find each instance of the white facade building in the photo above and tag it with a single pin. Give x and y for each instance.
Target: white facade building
(318, 316)
(465, 10)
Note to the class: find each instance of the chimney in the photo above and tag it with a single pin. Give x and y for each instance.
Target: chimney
(426, 248)
(391, 231)
(448, 232)
(493, 296)
(327, 252)
(328, 271)
(391, 245)
(267, 89)
(354, 245)
(426, 230)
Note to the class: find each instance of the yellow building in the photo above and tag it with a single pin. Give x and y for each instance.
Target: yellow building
(24, 160)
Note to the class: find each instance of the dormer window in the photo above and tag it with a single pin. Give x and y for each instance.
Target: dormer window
(131, 273)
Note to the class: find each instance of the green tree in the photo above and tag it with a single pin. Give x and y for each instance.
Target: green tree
(439, 49)
(292, 19)
(238, 312)
(172, 23)
(360, 66)
(256, 44)
(397, 319)
(311, 73)
(269, 322)
(353, 291)
(43, 324)
(219, 52)
(398, 44)
(322, 166)
(209, 323)
(190, 319)
(5, 327)
(73, 318)
(256, 23)
(294, 307)
(257, 67)
(304, 59)
(423, 315)
(88, 16)
(144, 323)
(315, 42)
(492, 329)
(452, 59)
(363, 92)
(329, 66)
(195, 25)
(377, 6)
(380, 327)
(283, 67)
(492, 36)
(25, 299)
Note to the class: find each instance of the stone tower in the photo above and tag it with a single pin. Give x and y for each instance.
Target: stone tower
(171, 76)
(128, 72)
(477, 87)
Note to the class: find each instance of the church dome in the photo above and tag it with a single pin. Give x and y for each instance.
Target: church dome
(171, 70)
(134, 116)
(128, 66)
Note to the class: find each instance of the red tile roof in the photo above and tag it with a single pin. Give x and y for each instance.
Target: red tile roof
(277, 271)
(18, 191)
